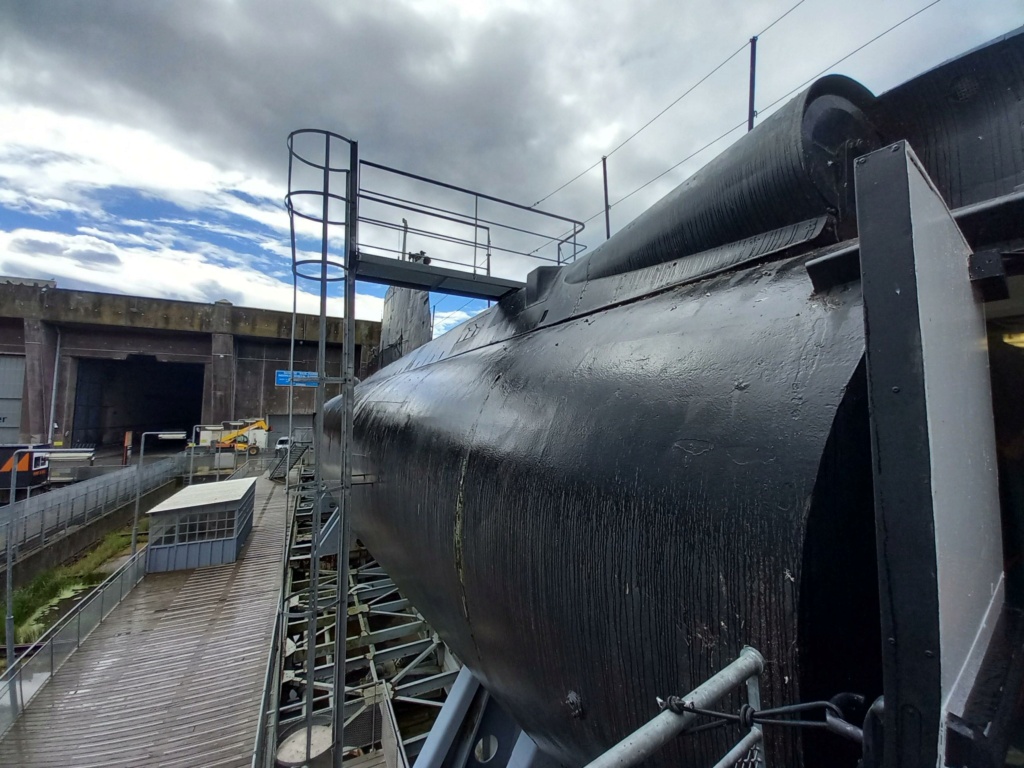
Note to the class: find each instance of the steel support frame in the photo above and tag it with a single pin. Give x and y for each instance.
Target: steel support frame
(418, 677)
(937, 512)
(649, 738)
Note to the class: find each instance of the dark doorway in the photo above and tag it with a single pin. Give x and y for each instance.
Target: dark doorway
(138, 394)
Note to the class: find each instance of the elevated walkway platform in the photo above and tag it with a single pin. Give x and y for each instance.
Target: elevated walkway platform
(408, 274)
(175, 675)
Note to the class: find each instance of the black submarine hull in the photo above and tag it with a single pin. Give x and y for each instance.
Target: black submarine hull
(600, 489)
(615, 507)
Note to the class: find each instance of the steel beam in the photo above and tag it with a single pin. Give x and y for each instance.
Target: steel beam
(649, 738)
(937, 511)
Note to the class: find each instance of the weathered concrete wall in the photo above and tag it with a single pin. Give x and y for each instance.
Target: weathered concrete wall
(40, 356)
(12, 336)
(219, 395)
(241, 348)
(257, 362)
(119, 343)
(59, 306)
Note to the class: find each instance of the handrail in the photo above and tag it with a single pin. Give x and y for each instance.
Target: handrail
(34, 521)
(270, 697)
(252, 466)
(654, 734)
(13, 684)
(266, 731)
(82, 604)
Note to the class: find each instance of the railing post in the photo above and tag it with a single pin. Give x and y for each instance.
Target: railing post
(476, 228)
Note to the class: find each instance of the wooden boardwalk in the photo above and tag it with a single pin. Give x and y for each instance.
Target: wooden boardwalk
(175, 674)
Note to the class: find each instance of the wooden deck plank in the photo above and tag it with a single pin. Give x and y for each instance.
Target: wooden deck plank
(175, 674)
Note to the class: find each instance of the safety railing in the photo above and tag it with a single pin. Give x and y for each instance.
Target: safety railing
(263, 754)
(286, 463)
(265, 747)
(34, 668)
(463, 228)
(202, 464)
(36, 520)
(253, 467)
(408, 217)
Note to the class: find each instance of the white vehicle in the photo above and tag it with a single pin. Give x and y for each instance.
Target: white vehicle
(281, 447)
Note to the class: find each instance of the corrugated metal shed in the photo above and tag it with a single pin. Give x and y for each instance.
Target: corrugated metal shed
(200, 526)
(200, 495)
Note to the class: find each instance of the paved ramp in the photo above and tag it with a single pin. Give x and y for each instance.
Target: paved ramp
(174, 676)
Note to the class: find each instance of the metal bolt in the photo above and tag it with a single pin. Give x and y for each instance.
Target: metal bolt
(895, 390)
(895, 148)
(861, 160)
(929, 654)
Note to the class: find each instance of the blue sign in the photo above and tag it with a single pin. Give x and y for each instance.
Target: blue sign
(301, 378)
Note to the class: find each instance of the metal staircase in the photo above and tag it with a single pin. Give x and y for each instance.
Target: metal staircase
(287, 462)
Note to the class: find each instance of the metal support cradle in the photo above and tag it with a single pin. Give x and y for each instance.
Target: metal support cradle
(649, 738)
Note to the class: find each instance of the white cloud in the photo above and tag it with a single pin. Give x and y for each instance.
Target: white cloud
(445, 321)
(58, 162)
(193, 110)
(162, 272)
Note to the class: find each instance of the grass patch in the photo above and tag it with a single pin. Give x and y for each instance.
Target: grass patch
(32, 601)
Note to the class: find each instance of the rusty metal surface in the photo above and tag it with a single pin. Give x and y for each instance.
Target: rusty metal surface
(174, 676)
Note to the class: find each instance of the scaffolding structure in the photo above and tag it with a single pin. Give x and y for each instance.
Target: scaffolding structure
(395, 669)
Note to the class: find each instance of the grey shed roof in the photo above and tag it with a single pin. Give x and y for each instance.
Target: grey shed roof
(224, 492)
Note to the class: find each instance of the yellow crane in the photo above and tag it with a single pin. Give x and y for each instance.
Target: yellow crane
(247, 436)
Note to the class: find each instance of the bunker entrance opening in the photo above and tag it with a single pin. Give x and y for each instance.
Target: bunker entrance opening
(138, 394)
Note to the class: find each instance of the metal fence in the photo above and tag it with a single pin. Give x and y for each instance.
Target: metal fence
(39, 518)
(265, 748)
(34, 668)
(253, 467)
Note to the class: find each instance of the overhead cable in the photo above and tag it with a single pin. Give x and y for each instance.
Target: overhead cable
(856, 50)
(686, 93)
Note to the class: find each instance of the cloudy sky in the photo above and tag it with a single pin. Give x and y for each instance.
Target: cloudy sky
(142, 144)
